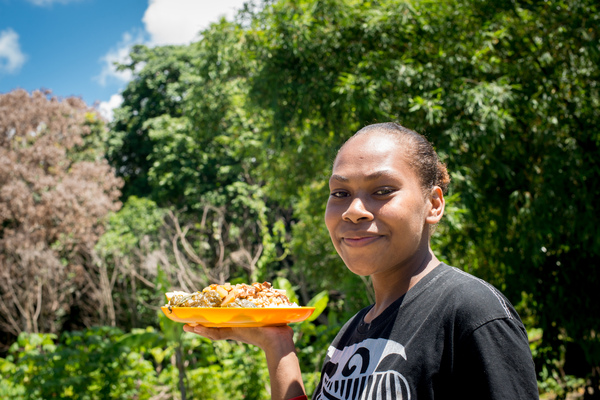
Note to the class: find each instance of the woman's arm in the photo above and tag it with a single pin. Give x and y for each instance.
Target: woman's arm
(280, 351)
(494, 362)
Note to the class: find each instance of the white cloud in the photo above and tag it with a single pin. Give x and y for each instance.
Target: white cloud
(106, 107)
(166, 22)
(180, 21)
(119, 54)
(11, 56)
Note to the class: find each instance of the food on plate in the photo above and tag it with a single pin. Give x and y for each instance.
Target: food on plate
(230, 296)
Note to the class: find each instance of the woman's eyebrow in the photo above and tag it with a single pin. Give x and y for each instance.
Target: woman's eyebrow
(370, 177)
(336, 177)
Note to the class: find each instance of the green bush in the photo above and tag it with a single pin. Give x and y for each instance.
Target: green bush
(106, 363)
(99, 363)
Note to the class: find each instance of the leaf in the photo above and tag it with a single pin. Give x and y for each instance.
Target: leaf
(319, 302)
(137, 340)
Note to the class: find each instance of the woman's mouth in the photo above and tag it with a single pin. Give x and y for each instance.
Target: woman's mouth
(359, 241)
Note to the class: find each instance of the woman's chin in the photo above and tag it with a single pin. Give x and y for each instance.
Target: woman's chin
(360, 269)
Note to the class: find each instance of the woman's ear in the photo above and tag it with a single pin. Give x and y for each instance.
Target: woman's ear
(436, 212)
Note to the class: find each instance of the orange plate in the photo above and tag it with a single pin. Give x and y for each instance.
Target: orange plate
(238, 317)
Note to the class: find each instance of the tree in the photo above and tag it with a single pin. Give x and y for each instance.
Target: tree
(55, 189)
(202, 153)
(507, 90)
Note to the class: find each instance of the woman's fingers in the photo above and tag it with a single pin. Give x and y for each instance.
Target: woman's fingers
(262, 337)
(221, 333)
(214, 333)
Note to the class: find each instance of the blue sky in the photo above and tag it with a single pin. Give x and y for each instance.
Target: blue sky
(68, 46)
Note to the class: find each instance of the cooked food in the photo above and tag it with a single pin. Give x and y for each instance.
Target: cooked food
(227, 295)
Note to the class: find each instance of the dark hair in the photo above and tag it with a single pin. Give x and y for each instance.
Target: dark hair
(420, 154)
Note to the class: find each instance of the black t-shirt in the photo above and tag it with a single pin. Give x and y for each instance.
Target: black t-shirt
(452, 336)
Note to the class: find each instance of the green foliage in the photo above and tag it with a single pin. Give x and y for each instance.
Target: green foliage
(156, 90)
(225, 146)
(95, 364)
(240, 372)
(131, 235)
(9, 389)
(248, 120)
(105, 363)
(312, 337)
(139, 217)
(93, 145)
(552, 377)
(508, 93)
(319, 302)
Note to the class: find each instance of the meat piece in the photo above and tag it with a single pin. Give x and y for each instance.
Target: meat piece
(240, 295)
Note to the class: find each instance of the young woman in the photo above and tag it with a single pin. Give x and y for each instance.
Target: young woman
(434, 331)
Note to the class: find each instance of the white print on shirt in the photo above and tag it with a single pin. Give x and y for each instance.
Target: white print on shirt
(353, 372)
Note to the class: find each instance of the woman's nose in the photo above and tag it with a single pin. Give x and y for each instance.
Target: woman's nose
(357, 211)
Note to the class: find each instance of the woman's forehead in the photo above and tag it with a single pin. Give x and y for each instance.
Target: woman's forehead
(370, 154)
(370, 147)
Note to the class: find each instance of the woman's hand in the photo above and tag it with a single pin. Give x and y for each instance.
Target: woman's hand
(263, 337)
(278, 344)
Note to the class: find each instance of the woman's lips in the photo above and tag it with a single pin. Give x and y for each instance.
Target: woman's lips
(359, 241)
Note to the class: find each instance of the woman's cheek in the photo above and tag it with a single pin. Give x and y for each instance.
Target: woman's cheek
(330, 216)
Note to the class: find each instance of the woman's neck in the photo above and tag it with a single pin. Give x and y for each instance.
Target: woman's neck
(392, 285)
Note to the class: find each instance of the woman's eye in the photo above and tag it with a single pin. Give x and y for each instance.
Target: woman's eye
(339, 195)
(382, 192)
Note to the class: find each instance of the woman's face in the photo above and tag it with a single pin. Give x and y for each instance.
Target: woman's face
(377, 214)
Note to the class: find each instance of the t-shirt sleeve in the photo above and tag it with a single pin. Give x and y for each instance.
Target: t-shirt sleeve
(494, 362)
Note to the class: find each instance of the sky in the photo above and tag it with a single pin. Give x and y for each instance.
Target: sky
(68, 46)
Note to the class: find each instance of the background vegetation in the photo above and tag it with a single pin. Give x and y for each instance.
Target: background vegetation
(214, 169)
